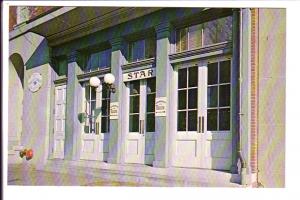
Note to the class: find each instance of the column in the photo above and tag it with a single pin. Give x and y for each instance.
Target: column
(74, 93)
(116, 145)
(245, 90)
(163, 76)
(235, 88)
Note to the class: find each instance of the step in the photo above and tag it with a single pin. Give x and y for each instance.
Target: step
(144, 174)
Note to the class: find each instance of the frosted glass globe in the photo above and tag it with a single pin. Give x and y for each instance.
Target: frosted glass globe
(94, 81)
(109, 78)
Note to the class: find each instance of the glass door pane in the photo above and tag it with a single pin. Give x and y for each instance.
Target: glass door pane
(150, 110)
(134, 106)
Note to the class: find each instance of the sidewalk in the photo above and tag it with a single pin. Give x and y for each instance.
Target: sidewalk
(92, 173)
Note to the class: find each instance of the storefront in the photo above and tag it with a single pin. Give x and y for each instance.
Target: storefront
(158, 88)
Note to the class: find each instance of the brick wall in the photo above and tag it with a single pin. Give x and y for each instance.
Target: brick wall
(254, 80)
(34, 11)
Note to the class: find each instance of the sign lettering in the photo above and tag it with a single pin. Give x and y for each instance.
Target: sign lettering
(114, 110)
(161, 106)
(141, 74)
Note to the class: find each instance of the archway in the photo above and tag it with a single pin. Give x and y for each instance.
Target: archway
(15, 99)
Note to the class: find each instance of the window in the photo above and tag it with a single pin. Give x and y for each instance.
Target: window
(105, 110)
(218, 96)
(61, 66)
(99, 59)
(90, 106)
(142, 49)
(134, 106)
(187, 99)
(150, 112)
(200, 35)
(91, 125)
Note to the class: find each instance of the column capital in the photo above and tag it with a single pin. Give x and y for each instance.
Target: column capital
(163, 29)
(116, 43)
(73, 56)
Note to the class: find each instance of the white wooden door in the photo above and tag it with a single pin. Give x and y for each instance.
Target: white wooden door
(94, 141)
(135, 138)
(189, 138)
(59, 121)
(203, 138)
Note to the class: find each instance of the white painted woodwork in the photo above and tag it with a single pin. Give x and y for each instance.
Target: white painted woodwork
(139, 146)
(59, 121)
(210, 149)
(94, 146)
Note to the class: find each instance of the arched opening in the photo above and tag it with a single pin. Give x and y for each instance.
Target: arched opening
(15, 99)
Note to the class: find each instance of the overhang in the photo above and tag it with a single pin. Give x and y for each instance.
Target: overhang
(69, 23)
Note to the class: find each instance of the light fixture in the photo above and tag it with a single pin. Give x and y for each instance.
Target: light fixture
(94, 81)
(109, 80)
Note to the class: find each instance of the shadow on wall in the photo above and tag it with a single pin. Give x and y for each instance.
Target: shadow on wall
(40, 56)
(18, 64)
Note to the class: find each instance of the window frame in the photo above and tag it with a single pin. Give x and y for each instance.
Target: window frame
(146, 55)
(202, 24)
(218, 84)
(204, 62)
(97, 51)
(97, 120)
(187, 88)
(146, 110)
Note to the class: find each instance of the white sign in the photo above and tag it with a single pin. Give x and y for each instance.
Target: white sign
(35, 82)
(161, 106)
(141, 74)
(114, 110)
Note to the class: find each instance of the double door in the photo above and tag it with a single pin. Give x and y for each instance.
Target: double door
(202, 136)
(140, 136)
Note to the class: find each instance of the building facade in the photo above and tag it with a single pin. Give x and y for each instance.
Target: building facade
(192, 88)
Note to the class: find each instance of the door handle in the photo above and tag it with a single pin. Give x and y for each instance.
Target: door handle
(140, 127)
(201, 124)
(143, 127)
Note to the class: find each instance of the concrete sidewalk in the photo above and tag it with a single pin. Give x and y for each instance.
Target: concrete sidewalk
(93, 173)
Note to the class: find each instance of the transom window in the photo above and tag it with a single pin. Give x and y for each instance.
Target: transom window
(91, 126)
(204, 34)
(187, 99)
(218, 96)
(98, 59)
(142, 49)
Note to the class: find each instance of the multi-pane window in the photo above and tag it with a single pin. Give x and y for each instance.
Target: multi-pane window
(204, 34)
(218, 96)
(187, 99)
(142, 49)
(99, 59)
(91, 125)
(61, 66)
(134, 106)
(150, 112)
(90, 106)
(105, 110)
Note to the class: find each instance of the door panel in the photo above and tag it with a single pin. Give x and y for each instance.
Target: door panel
(204, 148)
(59, 121)
(94, 144)
(135, 140)
(140, 138)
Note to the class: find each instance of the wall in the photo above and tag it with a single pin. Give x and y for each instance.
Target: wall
(36, 106)
(271, 97)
